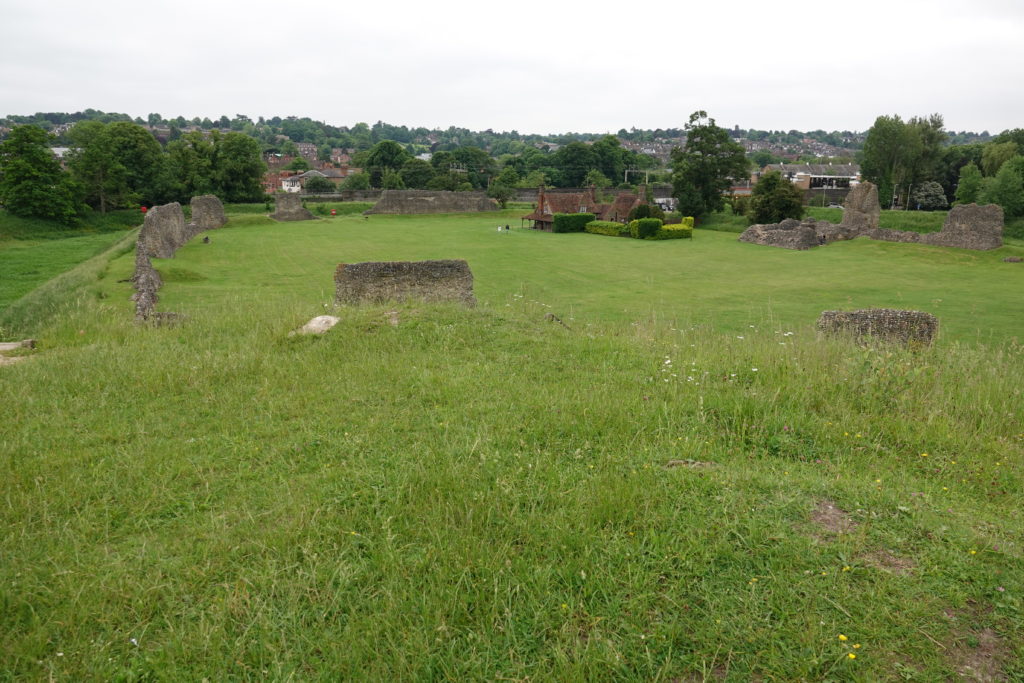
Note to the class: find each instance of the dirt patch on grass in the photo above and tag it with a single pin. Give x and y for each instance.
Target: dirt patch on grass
(831, 519)
(976, 652)
(886, 561)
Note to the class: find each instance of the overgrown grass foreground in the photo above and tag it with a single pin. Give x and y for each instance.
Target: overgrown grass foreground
(483, 495)
(662, 489)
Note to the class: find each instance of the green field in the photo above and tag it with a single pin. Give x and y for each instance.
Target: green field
(685, 483)
(712, 280)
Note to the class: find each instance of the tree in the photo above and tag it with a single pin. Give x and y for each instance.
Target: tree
(763, 157)
(574, 161)
(609, 157)
(117, 165)
(318, 183)
(190, 166)
(32, 183)
(597, 179)
(994, 155)
(416, 173)
(704, 168)
(889, 150)
(357, 181)
(1007, 188)
(238, 168)
(968, 189)
(392, 180)
(298, 164)
(386, 155)
(929, 196)
(774, 199)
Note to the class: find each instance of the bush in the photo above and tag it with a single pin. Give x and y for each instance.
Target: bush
(609, 228)
(675, 231)
(644, 228)
(571, 222)
(774, 198)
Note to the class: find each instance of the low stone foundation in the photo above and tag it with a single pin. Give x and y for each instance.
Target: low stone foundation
(904, 327)
(429, 201)
(288, 207)
(379, 281)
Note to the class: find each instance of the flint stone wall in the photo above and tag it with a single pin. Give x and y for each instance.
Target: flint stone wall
(288, 207)
(207, 213)
(163, 231)
(968, 226)
(904, 327)
(379, 281)
(861, 210)
(429, 201)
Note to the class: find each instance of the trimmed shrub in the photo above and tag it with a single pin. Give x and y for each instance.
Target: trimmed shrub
(674, 231)
(571, 222)
(609, 228)
(644, 228)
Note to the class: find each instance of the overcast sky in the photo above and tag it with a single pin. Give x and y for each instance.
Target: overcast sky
(536, 67)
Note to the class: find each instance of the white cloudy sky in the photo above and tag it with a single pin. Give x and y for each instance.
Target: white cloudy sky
(533, 66)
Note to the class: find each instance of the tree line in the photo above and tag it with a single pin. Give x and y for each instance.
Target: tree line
(120, 165)
(914, 166)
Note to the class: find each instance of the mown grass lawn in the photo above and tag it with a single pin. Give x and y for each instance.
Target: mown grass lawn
(711, 280)
(659, 492)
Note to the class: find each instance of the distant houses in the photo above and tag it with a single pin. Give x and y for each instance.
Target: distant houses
(295, 182)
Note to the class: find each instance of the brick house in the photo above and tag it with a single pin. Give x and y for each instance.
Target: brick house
(550, 203)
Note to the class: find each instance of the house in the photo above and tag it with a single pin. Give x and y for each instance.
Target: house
(307, 150)
(585, 201)
(815, 176)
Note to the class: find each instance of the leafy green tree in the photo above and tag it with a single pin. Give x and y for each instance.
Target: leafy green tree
(1007, 188)
(574, 161)
(762, 158)
(190, 166)
(319, 184)
(704, 168)
(298, 164)
(416, 173)
(32, 183)
(929, 196)
(597, 179)
(501, 192)
(357, 181)
(889, 149)
(994, 155)
(386, 155)
(117, 165)
(968, 189)
(101, 177)
(478, 165)
(774, 199)
(534, 179)
(238, 168)
(609, 157)
(392, 180)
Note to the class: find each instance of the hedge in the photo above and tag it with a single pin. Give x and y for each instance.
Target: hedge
(571, 222)
(676, 231)
(609, 228)
(644, 228)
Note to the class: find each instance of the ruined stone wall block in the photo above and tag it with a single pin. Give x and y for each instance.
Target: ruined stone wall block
(431, 281)
(431, 201)
(288, 207)
(163, 231)
(861, 210)
(789, 234)
(208, 213)
(904, 327)
(969, 226)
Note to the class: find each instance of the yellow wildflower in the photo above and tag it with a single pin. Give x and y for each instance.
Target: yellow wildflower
(843, 638)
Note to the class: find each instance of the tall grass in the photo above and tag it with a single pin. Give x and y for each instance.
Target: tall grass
(483, 494)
